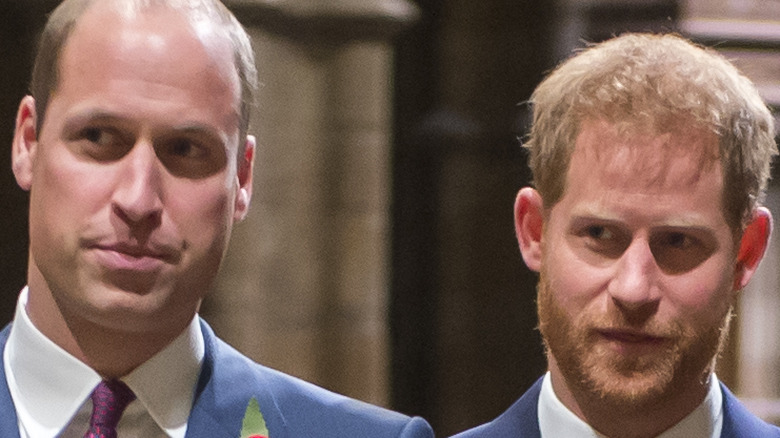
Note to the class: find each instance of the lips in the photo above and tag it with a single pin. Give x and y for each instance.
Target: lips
(630, 336)
(632, 343)
(122, 256)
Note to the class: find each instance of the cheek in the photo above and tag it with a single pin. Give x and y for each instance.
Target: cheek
(575, 282)
(704, 292)
(64, 196)
(701, 298)
(202, 212)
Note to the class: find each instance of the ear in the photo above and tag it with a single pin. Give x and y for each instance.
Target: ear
(25, 143)
(529, 223)
(752, 246)
(245, 172)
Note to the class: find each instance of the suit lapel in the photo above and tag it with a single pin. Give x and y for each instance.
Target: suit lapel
(521, 420)
(738, 422)
(527, 412)
(226, 385)
(9, 424)
(732, 418)
(203, 424)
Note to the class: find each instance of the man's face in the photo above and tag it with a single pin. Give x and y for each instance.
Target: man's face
(638, 266)
(134, 179)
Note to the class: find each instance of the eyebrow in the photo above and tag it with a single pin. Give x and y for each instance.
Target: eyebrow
(92, 115)
(589, 215)
(198, 130)
(103, 116)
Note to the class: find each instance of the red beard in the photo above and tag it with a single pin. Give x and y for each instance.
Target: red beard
(592, 367)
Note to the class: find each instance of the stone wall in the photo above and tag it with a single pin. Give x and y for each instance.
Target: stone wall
(304, 288)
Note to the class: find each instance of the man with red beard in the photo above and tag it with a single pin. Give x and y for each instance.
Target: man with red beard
(650, 157)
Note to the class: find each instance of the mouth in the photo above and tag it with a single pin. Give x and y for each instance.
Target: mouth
(629, 336)
(135, 258)
(633, 341)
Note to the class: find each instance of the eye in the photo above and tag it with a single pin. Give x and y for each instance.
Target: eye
(681, 251)
(678, 241)
(599, 232)
(191, 157)
(98, 136)
(186, 149)
(100, 143)
(602, 240)
(93, 134)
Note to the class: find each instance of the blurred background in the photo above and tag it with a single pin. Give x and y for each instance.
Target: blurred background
(379, 257)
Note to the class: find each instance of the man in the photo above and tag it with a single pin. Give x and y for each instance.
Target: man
(133, 146)
(650, 156)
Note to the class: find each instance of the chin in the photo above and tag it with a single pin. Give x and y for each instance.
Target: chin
(616, 388)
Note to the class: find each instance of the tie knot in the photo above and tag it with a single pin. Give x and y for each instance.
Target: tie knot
(109, 400)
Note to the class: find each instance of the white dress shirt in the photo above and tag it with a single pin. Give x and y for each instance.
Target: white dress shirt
(557, 421)
(51, 389)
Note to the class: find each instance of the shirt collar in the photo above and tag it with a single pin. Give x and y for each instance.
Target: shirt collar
(49, 385)
(178, 367)
(555, 419)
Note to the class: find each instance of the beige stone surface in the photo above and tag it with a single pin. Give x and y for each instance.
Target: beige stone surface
(304, 286)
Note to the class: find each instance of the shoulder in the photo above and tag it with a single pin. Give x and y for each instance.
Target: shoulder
(738, 422)
(304, 404)
(4, 335)
(297, 407)
(520, 420)
(8, 419)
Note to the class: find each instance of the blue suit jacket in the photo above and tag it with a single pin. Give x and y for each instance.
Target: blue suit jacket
(522, 420)
(291, 407)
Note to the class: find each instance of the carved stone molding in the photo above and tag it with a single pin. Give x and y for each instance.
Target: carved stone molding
(333, 21)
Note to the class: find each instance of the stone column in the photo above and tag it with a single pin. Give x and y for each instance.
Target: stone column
(738, 28)
(304, 288)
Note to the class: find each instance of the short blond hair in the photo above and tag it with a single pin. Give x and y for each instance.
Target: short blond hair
(647, 81)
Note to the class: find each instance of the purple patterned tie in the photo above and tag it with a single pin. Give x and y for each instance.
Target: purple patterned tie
(109, 400)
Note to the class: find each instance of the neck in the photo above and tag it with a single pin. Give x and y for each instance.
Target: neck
(111, 352)
(621, 419)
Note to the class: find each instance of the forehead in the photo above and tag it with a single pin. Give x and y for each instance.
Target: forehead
(158, 46)
(644, 161)
(642, 180)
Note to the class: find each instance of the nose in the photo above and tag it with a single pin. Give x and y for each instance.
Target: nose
(137, 197)
(634, 282)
